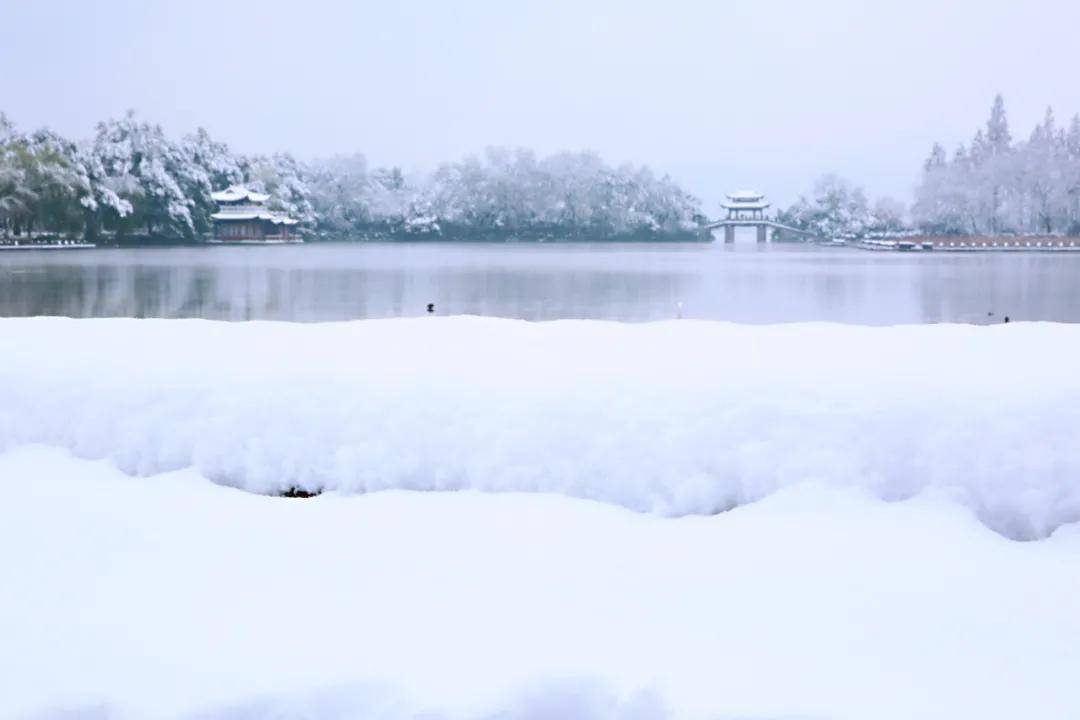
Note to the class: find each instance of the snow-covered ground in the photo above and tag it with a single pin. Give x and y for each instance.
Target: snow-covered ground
(681, 417)
(170, 596)
(866, 570)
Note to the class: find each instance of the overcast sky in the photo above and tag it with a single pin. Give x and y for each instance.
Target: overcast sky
(746, 93)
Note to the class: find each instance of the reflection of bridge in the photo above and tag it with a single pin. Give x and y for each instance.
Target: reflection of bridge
(746, 208)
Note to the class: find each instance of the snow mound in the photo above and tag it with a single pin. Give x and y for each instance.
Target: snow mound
(172, 597)
(673, 418)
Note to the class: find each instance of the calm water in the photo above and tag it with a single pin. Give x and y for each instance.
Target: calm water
(745, 283)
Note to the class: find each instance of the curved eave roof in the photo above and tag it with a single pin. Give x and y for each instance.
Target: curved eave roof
(746, 195)
(269, 217)
(744, 205)
(235, 216)
(236, 194)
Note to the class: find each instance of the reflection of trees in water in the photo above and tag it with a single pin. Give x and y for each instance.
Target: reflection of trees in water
(753, 287)
(1024, 286)
(546, 295)
(310, 294)
(103, 291)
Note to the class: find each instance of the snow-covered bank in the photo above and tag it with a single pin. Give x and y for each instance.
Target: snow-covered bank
(675, 418)
(170, 596)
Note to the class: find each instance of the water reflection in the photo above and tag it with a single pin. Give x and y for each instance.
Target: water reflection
(621, 282)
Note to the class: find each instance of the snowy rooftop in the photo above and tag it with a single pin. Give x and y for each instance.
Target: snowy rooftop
(237, 193)
(745, 195)
(744, 205)
(254, 214)
(745, 200)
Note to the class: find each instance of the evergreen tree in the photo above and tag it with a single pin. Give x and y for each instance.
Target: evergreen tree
(1072, 176)
(998, 138)
(937, 159)
(1000, 186)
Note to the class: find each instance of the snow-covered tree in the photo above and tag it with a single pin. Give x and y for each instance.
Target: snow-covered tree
(392, 199)
(132, 179)
(998, 186)
(888, 216)
(285, 180)
(206, 165)
(998, 137)
(338, 193)
(143, 168)
(39, 182)
(1042, 176)
(837, 208)
(510, 191)
(1071, 180)
(16, 197)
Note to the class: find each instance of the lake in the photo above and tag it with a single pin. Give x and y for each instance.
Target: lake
(631, 282)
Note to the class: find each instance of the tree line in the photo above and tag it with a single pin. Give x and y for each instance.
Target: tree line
(130, 180)
(993, 185)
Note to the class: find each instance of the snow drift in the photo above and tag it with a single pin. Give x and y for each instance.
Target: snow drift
(172, 597)
(674, 418)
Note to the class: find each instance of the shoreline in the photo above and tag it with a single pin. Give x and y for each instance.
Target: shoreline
(1020, 244)
(50, 246)
(1033, 243)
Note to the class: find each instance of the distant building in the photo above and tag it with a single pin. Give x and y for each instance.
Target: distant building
(242, 217)
(745, 205)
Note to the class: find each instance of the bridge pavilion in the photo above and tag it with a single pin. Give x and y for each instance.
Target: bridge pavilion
(745, 208)
(745, 205)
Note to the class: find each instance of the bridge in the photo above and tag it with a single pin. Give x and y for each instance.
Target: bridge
(746, 208)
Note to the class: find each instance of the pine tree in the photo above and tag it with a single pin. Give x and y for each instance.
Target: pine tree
(1072, 175)
(989, 154)
(998, 138)
(1041, 177)
(936, 160)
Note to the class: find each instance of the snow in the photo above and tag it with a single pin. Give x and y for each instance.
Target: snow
(131, 170)
(873, 476)
(170, 596)
(740, 205)
(236, 215)
(276, 218)
(671, 418)
(746, 195)
(746, 200)
(238, 192)
(995, 187)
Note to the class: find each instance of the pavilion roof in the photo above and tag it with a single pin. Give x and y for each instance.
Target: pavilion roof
(236, 193)
(745, 205)
(275, 217)
(745, 195)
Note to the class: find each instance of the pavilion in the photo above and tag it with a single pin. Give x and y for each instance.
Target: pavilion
(745, 205)
(243, 218)
(745, 208)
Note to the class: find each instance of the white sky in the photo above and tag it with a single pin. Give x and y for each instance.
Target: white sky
(721, 94)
